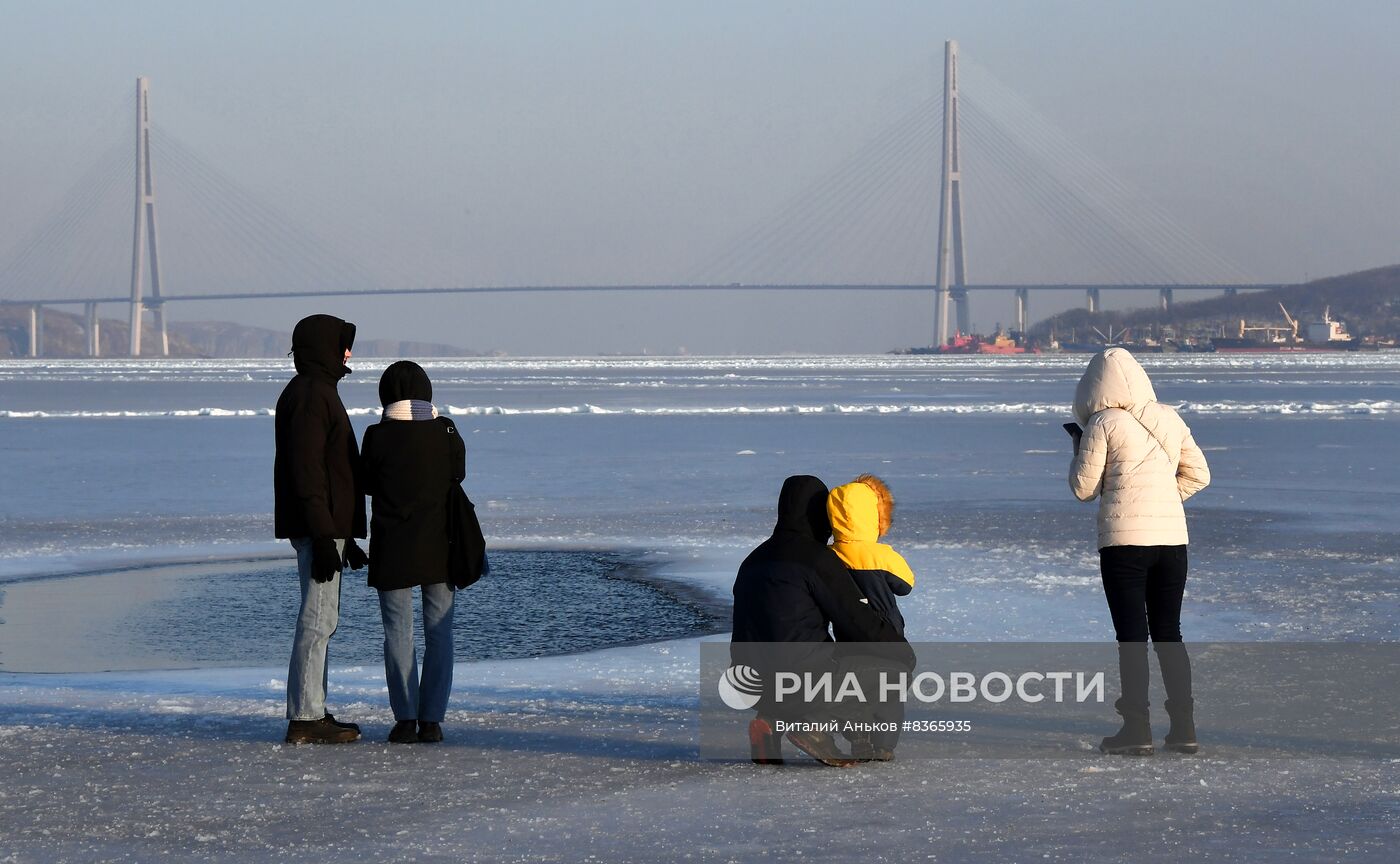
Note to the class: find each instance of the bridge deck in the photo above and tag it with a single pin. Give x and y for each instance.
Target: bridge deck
(582, 289)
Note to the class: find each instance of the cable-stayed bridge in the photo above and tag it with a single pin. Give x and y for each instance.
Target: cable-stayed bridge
(1042, 215)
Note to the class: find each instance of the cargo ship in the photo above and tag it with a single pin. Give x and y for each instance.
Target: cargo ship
(1325, 335)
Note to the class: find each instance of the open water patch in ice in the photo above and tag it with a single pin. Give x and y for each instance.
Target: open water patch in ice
(533, 603)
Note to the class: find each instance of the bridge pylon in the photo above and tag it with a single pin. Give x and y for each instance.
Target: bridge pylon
(36, 329)
(952, 262)
(144, 239)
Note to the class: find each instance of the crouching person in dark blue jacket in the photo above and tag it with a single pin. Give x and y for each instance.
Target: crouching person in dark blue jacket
(791, 595)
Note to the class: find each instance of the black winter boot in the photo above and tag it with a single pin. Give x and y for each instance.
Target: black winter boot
(1181, 737)
(404, 732)
(1134, 739)
(1176, 675)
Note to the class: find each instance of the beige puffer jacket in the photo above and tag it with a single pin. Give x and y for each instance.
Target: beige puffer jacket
(1137, 456)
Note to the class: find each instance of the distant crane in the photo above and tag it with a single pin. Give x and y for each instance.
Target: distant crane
(1109, 338)
(1274, 335)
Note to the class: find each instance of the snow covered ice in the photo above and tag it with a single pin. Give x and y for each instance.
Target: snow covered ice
(596, 754)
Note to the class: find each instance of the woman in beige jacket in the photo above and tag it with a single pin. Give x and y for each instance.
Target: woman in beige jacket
(1138, 458)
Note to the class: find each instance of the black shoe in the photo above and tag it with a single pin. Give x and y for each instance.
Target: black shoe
(329, 718)
(765, 745)
(821, 747)
(318, 732)
(1181, 737)
(1134, 739)
(404, 732)
(429, 733)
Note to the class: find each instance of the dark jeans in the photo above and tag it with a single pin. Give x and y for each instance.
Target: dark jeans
(1144, 585)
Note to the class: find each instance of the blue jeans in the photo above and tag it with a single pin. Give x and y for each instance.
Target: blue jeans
(411, 701)
(316, 623)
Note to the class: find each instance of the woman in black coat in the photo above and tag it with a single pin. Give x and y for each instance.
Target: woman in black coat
(411, 458)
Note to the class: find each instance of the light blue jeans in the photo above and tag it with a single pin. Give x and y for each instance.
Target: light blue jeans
(410, 700)
(316, 623)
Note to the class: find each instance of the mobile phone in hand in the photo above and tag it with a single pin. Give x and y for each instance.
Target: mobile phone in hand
(1073, 430)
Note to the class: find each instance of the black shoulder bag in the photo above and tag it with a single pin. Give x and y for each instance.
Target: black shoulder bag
(466, 546)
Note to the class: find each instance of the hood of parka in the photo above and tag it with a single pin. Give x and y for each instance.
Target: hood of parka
(854, 511)
(404, 380)
(1114, 379)
(855, 526)
(802, 509)
(319, 343)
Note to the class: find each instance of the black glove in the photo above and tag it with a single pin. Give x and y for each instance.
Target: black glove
(355, 557)
(325, 560)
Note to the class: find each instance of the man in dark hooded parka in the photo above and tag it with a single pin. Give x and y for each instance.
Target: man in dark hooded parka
(320, 508)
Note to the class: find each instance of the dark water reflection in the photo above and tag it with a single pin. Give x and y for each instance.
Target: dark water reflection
(533, 603)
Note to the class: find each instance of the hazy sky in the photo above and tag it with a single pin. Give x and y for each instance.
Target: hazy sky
(623, 142)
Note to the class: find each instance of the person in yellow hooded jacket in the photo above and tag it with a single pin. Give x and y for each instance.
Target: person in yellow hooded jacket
(861, 513)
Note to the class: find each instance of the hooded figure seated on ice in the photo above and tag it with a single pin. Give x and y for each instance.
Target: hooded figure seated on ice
(790, 594)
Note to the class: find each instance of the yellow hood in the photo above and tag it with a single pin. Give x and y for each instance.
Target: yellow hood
(855, 524)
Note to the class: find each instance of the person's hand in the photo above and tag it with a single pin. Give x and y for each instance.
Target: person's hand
(1075, 434)
(355, 557)
(325, 560)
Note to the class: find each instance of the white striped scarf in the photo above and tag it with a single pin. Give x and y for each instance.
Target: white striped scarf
(410, 409)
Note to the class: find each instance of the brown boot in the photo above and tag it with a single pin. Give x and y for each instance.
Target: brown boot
(821, 747)
(343, 724)
(320, 731)
(862, 748)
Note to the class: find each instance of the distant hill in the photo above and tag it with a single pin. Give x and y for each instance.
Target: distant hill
(64, 336)
(1368, 302)
(222, 339)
